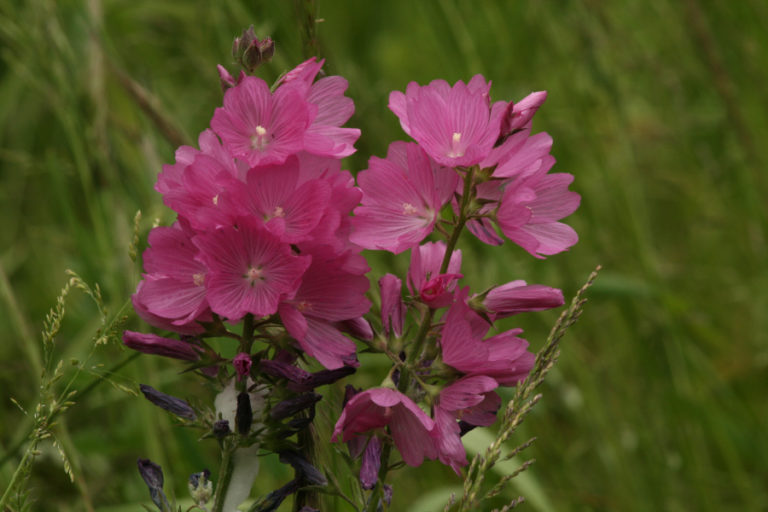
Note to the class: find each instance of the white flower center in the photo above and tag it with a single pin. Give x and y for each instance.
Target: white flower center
(456, 151)
(409, 209)
(259, 139)
(253, 275)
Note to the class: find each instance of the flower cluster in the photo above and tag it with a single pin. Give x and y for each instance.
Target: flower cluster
(270, 233)
(263, 219)
(475, 164)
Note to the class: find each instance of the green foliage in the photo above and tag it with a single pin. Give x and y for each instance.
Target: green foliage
(656, 107)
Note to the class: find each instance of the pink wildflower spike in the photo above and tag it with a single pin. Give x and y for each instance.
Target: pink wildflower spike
(402, 197)
(424, 278)
(517, 297)
(518, 115)
(456, 125)
(260, 127)
(530, 209)
(250, 270)
(392, 306)
(412, 430)
(172, 288)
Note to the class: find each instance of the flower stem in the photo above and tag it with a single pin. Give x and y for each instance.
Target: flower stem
(225, 476)
(310, 497)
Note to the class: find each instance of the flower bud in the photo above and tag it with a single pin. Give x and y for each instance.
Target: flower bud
(294, 405)
(221, 429)
(244, 414)
(167, 347)
(242, 363)
(170, 403)
(250, 52)
(369, 469)
(306, 472)
(153, 477)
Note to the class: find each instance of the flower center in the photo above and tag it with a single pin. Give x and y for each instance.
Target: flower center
(259, 139)
(279, 212)
(455, 151)
(409, 209)
(198, 279)
(253, 275)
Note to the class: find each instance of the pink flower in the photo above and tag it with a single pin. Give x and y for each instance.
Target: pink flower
(171, 178)
(466, 392)
(325, 135)
(503, 357)
(332, 290)
(517, 297)
(402, 197)
(250, 270)
(412, 430)
(172, 292)
(273, 197)
(450, 450)
(518, 115)
(424, 278)
(199, 189)
(460, 396)
(530, 209)
(242, 363)
(456, 125)
(260, 127)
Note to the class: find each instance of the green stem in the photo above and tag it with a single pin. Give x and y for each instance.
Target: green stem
(248, 328)
(79, 395)
(310, 497)
(17, 474)
(225, 477)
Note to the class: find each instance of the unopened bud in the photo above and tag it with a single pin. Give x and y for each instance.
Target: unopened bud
(221, 429)
(294, 405)
(170, 403)
(250, 52)
(153, 477)
(305, 471)
(167, 347)
(242, 363)
(369, 469)
(244, 414)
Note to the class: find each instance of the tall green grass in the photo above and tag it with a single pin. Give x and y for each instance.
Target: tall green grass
(658, 108)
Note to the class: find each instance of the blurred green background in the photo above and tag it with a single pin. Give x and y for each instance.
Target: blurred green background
(658, 108)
